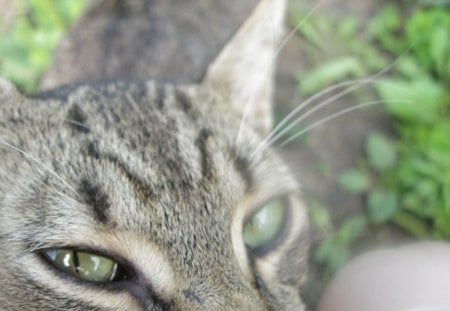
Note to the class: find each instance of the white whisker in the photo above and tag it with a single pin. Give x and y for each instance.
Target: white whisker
(355, 83)
(335, 115)
(29, 156)
(358, 82)
(132, 102)
(316, 108)
(276, 134)
(79, 124)
(297, 27)
(279, 131)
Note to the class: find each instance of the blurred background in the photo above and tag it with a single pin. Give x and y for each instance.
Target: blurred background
(371, 145)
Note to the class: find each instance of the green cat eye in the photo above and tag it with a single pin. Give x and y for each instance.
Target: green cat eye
(265, 226)
(83, 265)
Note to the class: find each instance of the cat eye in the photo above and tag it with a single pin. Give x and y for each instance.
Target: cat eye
(265, 227)
(85, 266)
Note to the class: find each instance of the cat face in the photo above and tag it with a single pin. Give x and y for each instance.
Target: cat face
(146, 176)
(149, 196)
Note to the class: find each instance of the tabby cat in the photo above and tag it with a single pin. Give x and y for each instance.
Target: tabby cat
(150, 195)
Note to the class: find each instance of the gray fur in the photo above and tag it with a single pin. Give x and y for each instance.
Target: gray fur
(154, 175)
(141, 39)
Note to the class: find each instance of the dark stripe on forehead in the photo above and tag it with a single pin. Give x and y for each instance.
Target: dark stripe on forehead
(93, 196)
(242, 166)
(143, 190)
(205, 156)
(92, 150)
(183, 100)
(77, 119)
(160, 97)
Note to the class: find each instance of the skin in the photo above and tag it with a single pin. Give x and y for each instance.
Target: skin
(413, 277)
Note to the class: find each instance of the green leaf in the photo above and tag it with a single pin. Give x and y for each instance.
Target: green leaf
(411, 224)
(307, 29)
(332, 255)
(406, 174)
(350, 230)
(324, 250)
(338, 257)
(320, 216)
(330, 72)
(409, 68)
(428, 31)
(419, 100)
(348, 28)
(440, 48)
(381, 152)
(442, 220)
(382, 205)
(28, 44)
(424, 167)
(354, 181)
(386, 25)
(427, 188)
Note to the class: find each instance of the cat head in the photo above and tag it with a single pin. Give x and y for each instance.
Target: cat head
(150, 196)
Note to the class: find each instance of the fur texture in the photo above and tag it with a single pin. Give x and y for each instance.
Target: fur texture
(157, 176)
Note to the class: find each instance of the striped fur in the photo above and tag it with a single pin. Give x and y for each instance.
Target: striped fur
(152, 175)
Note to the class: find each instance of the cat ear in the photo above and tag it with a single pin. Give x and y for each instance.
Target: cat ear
(245, 67)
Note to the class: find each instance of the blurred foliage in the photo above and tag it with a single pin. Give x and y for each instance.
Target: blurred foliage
(27, 44)
(405, 179)
(335, 247)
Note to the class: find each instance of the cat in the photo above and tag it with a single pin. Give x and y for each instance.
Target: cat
(149, 195)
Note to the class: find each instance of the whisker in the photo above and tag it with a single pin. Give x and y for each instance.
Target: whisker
(24, 252)
(334, 116)
(280, 125)
(279, 131)
(78, 124)
(358, 82)
(297, 27)
(316, 108)
(271, 137)
(274, 39)
(132, 102)
(29, 156)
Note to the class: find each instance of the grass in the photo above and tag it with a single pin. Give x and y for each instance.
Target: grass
(404, 178)
(27, 44)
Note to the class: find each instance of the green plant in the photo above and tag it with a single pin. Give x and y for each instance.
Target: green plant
(404, 177)
(409, 175)
(336, 246)
(27, 45)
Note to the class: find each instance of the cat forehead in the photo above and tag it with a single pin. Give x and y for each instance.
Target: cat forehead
(152, 174)
(165, 145)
